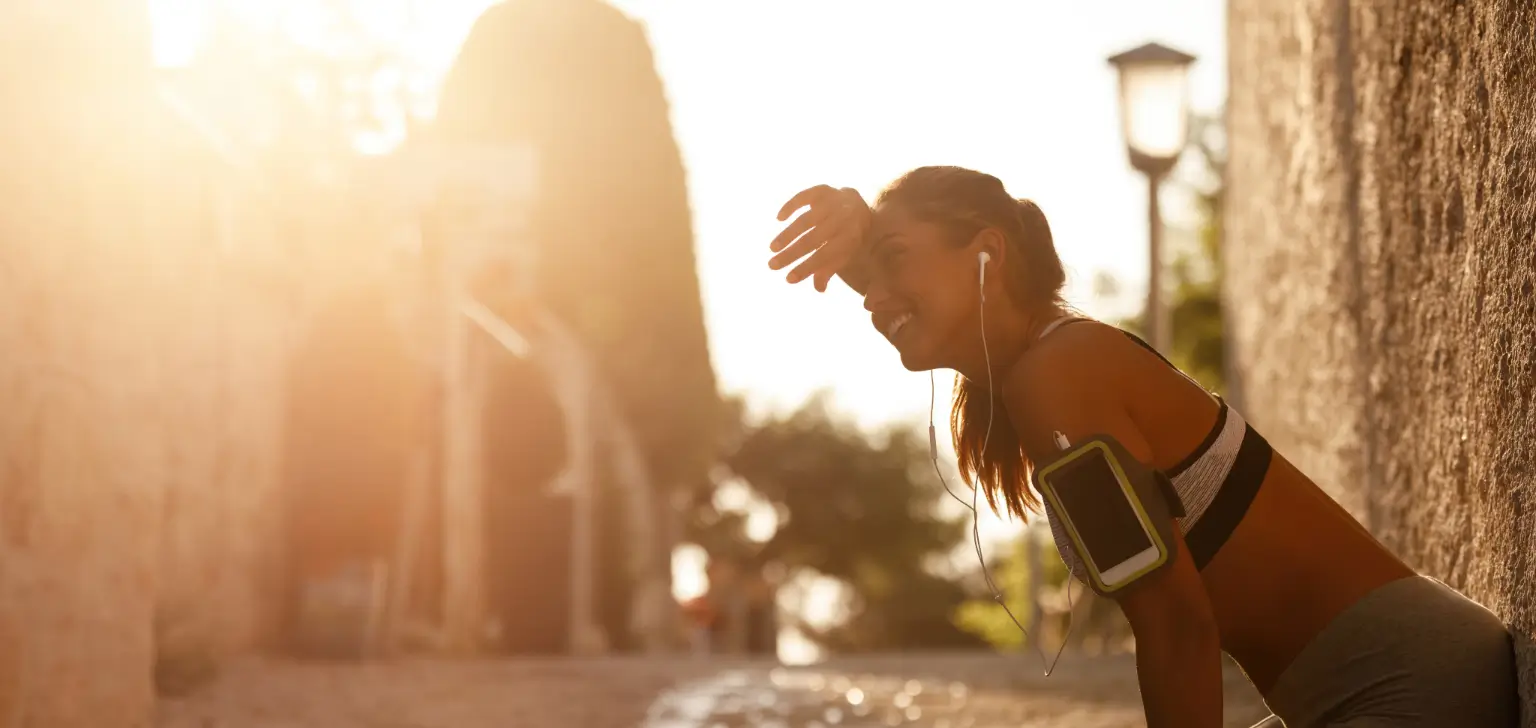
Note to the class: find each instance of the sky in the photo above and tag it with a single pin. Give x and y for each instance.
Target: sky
(768, 98)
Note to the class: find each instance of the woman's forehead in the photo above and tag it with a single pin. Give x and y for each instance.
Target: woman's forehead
(887, 218)
(889, 221)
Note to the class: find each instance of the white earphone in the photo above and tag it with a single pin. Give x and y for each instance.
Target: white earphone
(933, 451)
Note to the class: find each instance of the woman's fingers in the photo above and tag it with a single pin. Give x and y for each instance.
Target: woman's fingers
(827, 235)
(826, 261)
(817, 215)
(808, 243)
(804, 197)
(821, 200)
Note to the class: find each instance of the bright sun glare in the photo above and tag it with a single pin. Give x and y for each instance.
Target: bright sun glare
(181, 27)
(1019, 89)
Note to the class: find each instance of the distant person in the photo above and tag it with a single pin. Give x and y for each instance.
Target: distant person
(1329, 625)
(699, 615)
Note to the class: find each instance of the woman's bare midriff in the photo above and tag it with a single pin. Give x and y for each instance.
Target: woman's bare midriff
(1295, 562)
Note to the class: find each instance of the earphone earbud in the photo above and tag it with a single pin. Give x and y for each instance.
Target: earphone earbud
(985, 258)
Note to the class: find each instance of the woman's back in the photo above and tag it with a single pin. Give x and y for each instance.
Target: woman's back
(1295, 559)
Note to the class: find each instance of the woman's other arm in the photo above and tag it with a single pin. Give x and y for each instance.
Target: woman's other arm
(1069, 386)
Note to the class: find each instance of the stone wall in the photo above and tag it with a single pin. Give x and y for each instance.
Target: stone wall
(80, 436)
(1380, 269)
(223, 353)
(138, 353)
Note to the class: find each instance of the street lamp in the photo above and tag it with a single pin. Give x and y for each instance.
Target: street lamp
(1154, 117)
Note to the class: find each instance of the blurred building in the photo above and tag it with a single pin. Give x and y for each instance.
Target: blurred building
(612, 248)
(583, 377)
(220, 389)
(1379, 272)
(238, 293)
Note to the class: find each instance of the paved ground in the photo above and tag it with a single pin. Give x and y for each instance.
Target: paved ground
(909, 690)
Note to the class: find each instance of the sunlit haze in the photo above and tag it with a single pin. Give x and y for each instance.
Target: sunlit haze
(770, 97)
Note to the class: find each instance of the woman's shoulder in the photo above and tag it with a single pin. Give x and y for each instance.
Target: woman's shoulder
(1069, 358)
(1091, 364)
(1086, 356)
(1081, 345)
(1072, 381)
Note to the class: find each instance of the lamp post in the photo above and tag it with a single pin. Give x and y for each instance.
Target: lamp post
(1154, 117)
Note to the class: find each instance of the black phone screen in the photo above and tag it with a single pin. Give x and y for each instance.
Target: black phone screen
(1105, 520)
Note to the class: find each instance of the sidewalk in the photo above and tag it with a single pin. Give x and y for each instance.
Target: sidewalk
(951, 690)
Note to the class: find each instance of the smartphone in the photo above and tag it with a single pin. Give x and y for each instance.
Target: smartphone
(1098, 505)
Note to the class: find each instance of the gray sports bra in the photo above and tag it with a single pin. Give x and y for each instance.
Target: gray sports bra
(1217, 482)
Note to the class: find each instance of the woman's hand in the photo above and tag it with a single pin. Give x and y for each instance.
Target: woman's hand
(831, 232)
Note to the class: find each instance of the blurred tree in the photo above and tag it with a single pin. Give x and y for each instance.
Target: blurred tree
(1080, 619)
(985, 618)
(339, 80)
(1197, 342)
(858, 509)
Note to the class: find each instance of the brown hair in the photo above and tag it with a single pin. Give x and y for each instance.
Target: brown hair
(966, 202)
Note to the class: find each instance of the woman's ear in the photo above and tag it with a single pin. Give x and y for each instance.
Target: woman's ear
(992, 242)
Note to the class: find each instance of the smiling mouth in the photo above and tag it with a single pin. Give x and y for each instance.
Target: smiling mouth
(896, 325)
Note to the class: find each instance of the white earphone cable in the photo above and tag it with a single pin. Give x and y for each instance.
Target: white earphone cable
(986, 440)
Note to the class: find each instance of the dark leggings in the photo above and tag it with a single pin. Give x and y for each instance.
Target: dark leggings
(1414, 652)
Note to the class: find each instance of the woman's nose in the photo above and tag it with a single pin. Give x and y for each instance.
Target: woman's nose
(875, 297)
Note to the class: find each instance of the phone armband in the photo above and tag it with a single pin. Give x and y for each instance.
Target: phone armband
(1079, 484)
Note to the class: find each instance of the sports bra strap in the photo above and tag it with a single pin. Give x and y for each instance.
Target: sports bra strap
(1069, 318)
(1052, 326)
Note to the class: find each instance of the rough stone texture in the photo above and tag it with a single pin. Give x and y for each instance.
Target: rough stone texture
(138, 443)
(79, 445)
(1290, 267)
(1380, 272)
(137, 352)
(222, 353)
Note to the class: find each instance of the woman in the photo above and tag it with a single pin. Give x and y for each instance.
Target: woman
(1331, 627)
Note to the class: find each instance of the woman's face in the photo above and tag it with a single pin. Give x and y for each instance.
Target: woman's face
(921, 289)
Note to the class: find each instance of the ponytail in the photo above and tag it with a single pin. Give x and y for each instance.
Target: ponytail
(1002, 470)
